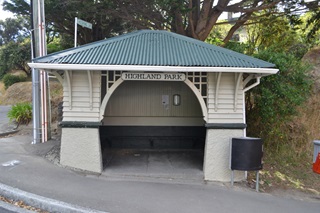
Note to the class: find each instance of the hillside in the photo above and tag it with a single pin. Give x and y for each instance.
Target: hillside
(22, 92)
(291, 168)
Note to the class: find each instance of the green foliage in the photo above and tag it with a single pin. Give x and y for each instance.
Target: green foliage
(217, 34)
(13, 29)
(237, 46)
(15, 55)
(299, 50)
(309, 27)
(54, 46)
(274, 102)
(9, 79)
(21, 113)
(271, 31)
(194, 18)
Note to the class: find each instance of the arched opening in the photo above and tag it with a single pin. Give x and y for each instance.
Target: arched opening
(141, 120)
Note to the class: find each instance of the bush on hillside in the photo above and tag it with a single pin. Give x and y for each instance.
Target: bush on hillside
(21, 113)
(9, 79)
(272, 105)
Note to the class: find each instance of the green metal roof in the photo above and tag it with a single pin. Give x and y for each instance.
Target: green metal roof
(153, 48)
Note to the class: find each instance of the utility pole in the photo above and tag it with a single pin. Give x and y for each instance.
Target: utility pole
(39, 77)
(35, 75)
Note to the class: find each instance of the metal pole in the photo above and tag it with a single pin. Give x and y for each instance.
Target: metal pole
(44, 52)
(35, 107)
(75, 31)
(35, 76)
(39, 76)
(257, 181)
(232, 177)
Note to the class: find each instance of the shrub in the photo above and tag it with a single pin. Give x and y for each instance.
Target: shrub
(9, 79)
(272, 105)
(21, 113)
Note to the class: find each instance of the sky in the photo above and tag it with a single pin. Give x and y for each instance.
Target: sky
(4, 14)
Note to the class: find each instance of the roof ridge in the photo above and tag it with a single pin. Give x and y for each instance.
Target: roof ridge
(148, 47)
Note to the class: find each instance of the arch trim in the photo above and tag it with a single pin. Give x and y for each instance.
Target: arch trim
(200, 99)
(107, 97)
(187, 81)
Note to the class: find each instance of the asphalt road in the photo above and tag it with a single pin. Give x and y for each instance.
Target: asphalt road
(3, 115)
(4, 120)
(9, 208)
(2, 210)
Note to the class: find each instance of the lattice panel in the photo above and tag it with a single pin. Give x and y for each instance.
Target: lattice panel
(199, 79)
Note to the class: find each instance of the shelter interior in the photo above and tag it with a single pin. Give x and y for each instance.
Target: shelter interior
(143, 115)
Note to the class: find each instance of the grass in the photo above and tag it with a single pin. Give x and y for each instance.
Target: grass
(22, 92)
(288, 164)
(284, 171)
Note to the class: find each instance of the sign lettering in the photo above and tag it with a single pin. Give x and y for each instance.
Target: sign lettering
(127, 76)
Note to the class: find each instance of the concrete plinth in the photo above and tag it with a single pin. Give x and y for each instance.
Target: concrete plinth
(81, 149)
(216, 165)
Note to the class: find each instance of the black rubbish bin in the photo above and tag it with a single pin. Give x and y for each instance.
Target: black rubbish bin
(246, 154)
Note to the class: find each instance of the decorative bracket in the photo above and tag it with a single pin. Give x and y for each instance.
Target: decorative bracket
(238, 80)
(217, 91)
(68, 76)
(58, 76)
(90, 89)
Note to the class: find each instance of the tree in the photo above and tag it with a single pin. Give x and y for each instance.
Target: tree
(272, 32)
(311, 26)
(196, 18)
(12, 29)
(15, 55)
(62, 25)
(193, 18)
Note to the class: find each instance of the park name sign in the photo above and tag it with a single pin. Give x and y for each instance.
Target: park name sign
(153, 76)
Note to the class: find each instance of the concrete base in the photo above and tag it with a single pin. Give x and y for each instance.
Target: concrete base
(216, 166)
(81, 149)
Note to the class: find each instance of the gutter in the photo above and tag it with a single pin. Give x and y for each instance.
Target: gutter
(99, 67)
(252, 85)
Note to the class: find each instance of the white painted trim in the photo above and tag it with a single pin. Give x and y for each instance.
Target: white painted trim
(244, 112)
(187, 81)
(48, 66)
(90, 89)
(68, 73)
(246, 81)
(252, 85)
(236, 91)
(107, 97)
(200, 99)
(58, 76)
(217, 92)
